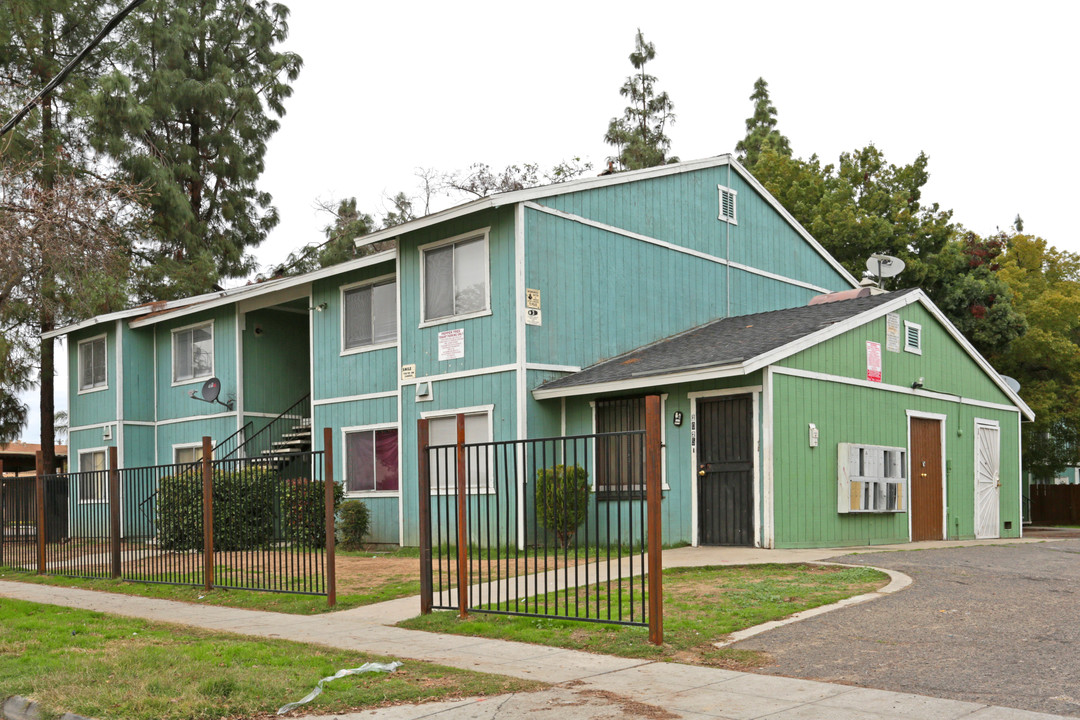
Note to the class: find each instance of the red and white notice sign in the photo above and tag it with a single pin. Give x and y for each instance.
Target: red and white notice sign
(873, 361)
(452, 344)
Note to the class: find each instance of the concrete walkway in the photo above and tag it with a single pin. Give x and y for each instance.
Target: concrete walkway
(587, 685)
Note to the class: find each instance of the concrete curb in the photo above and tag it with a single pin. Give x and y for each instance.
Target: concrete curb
(897, 581)
(19, 708)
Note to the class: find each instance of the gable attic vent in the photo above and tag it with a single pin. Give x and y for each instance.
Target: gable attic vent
(727, 205)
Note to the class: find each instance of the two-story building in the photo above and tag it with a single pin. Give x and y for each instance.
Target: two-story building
(551, 311)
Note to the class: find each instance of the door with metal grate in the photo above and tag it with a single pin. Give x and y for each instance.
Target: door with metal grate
(725, 470)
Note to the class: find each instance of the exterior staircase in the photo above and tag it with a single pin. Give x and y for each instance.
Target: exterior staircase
(296, 440)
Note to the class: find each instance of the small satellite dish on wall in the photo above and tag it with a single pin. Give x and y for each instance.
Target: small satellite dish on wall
(211, 390)
(1011, 382)
(884, 265)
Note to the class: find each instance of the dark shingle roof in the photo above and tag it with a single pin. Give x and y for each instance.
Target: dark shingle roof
(727, 341)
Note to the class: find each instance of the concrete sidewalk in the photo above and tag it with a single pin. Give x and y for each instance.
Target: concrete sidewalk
(588, 685)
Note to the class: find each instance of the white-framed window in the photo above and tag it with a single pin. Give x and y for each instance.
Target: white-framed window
(371, 459)
(619, 461)
(93, 365)
(913, 337)
(93, 475)
(187, 453)
(442, 430)
(454, 278)
(728, 204)
(193, 353)
(369, 315)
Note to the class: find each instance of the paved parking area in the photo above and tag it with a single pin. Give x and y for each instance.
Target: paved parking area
(993, 624)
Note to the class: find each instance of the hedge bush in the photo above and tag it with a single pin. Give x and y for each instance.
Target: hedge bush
(305, 504)
(562, 500)
(354, 523)
(244, 513)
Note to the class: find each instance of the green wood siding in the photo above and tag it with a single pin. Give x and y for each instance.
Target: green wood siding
(805, 478)
(353, 374)
(185, 433)
(96, 406)
(138, 357)
(276, 360)
(173, 401)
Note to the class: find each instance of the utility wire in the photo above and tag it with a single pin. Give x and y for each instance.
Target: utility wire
(55, 82)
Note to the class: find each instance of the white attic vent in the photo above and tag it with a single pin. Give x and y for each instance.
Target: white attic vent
(727, 205)
(913, 337)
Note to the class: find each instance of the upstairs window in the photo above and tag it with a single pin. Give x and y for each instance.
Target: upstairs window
(369, 318)
(193, 353)
(456, 278)
(913, 337)
(728, 205)
(93, 374)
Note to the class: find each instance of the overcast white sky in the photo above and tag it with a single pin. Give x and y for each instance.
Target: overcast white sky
(987, 89)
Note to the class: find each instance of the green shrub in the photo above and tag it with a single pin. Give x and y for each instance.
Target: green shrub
(305, 503)
(562, 500)
(244, 512)
(354, 522)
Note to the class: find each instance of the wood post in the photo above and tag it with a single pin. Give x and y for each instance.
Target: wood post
(114, 512)
(462, 530)
(653, 473)
(39, 493)
(208, 514)
(328, 503)
(426, 589)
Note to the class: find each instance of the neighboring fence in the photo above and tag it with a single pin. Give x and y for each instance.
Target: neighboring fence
(1055, 504)
(259, 524)
(525, 534)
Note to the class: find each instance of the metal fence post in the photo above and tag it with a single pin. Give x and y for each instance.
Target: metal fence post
(462, 531)
(426, 588)
(208, 514)
(328, 502)
(653, 472)
(114, 512)
(3, 512)
(39, 494)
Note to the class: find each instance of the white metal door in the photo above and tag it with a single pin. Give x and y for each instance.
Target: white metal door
(987, 480)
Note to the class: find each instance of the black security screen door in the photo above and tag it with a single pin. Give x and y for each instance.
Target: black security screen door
(725, 470)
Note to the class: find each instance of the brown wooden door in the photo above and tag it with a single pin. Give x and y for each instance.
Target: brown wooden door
(726, 470)
(926, 480)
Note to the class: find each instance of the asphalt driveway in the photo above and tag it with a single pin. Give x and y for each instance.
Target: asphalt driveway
(995, 624)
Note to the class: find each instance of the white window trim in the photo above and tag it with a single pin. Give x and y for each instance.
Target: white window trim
(483, 233)
(79, 458)
(663, 441)
(185, 446)
(908, 347)
(78, 365)
(734, 219)
(172, 354)
(489, 410)
(345, 461)
(381, 280)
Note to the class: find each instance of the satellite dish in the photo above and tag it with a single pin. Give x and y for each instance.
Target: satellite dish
(1011, 382)
(211, 389)
(884, 265)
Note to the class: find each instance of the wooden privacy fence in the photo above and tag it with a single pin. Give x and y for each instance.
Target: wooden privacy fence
(263, 523)
(1055, 504)
(565, 527)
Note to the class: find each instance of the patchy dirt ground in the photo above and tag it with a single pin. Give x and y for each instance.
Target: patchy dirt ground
(363, 574)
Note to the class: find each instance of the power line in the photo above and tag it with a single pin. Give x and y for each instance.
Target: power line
(55, 82)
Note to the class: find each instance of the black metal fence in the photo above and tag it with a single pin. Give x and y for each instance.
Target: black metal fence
(564, 527)
(258, 523)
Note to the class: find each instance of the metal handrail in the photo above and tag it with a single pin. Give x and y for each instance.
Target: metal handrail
(266, 429)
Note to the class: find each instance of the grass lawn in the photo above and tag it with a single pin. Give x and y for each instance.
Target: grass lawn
(702, 606)
(104, 666)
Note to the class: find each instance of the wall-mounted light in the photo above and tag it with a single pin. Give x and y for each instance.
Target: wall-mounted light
(677, 419)
(917, 385)
(318, 308)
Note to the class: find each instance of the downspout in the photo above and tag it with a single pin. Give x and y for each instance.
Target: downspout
(727, 255)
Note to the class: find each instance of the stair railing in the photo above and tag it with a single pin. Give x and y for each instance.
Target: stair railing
(264, 439)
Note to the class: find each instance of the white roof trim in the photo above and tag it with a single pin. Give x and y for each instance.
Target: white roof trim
(130, 312)
(784, 351)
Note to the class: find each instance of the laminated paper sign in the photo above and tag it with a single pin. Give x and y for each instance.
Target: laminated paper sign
(873, 361)
(452, 344)
(892, 332)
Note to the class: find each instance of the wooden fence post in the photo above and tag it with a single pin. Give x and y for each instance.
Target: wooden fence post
(208, 514)
(426, 587)
(114, 512)
(39, 494)
(462, 530)
(328, 503)
(653, 473)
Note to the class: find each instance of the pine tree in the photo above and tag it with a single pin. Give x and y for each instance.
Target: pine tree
(639, 134)
(187, 112)
(761, 129)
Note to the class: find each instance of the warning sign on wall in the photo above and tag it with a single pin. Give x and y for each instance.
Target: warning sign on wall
(873, 361)
(452, 344)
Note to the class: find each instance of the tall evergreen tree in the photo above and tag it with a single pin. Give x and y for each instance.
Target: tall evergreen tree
(187, 112)
(761, 129)
(639, 134)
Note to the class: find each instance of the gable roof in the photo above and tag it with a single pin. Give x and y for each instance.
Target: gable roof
(588, 183)
(743, 344)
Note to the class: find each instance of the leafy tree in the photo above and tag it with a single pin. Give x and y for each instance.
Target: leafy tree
(761, 129)
(480, 181)
(639, 134)
(187, 111)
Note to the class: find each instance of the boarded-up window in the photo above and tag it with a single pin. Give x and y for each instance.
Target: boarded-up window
(620, 457)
